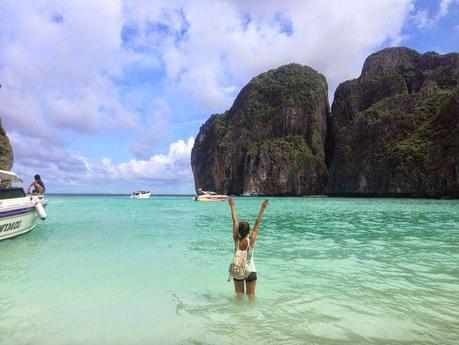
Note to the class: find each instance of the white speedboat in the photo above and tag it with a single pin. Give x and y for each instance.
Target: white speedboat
(140, 195)
(19, 213)
(209, 196)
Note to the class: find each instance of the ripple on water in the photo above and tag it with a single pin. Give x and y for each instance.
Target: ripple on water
(331, 271)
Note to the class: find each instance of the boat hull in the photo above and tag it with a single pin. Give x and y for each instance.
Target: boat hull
(140, 196)
(17, 225)
(18, 216)
(211, 198)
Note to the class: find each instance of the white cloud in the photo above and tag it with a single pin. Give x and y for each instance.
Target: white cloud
(226, 43)
(155, 128)
(67, 56)
(72, 67)
(66, 170)
(424, 19)
(36, 155)
(444, 7)
(63, 57)
(175, 166)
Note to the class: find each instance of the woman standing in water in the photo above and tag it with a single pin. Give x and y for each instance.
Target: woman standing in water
(244, 241)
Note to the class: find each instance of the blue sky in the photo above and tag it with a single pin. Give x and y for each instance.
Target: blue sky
(107, 96)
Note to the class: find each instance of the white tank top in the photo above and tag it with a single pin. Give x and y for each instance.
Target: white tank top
(250, 257)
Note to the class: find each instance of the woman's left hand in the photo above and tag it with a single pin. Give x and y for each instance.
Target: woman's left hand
(265, 203)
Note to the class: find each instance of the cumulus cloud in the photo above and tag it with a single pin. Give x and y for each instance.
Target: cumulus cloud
(73, 170)
(155, 128)
(62, 59)
(91, 68)
(207, 47)
(35, 155)
(68, 56)
(175, 166)
(424, 19)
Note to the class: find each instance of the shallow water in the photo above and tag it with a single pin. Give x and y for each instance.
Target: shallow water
(110, 270)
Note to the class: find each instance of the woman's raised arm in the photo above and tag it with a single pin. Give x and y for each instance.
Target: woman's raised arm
(254, 234)
(233, 215)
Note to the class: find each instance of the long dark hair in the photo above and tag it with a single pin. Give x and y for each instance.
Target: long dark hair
(243, 229)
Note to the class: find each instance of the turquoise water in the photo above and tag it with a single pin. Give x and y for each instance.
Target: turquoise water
(110, 270)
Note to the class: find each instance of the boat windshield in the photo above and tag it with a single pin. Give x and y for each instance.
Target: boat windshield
(11, 193)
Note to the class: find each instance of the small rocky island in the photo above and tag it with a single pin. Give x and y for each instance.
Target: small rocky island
(394, 131)
(271, 141)
(6, 152)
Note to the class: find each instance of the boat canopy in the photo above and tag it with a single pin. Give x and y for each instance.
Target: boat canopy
(9, 176)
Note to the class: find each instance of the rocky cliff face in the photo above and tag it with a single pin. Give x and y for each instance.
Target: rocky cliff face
(395, 129)
(272, 139)
(6, 152)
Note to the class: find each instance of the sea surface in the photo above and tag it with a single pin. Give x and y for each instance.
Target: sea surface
(110, 270)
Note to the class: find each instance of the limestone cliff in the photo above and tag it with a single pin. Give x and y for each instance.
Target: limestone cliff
(271, 141)
(6, 152)
(395, 129)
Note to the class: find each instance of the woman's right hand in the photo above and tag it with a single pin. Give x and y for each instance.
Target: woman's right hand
(231, 202)
(265, 203)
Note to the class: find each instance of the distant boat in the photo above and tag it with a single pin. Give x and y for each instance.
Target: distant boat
(248, 194)
(209, 196)
(140, 195)
(19, 213)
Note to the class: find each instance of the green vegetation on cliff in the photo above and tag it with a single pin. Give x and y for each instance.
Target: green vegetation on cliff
(6, 152)
(271, 141)
(394, 131)
(395, 127)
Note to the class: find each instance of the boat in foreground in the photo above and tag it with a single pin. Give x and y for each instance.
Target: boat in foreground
(209, 196)
(19, 213)
(140, 195)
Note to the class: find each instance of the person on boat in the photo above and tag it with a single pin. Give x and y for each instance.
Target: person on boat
(243, 240)
(38, 185)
